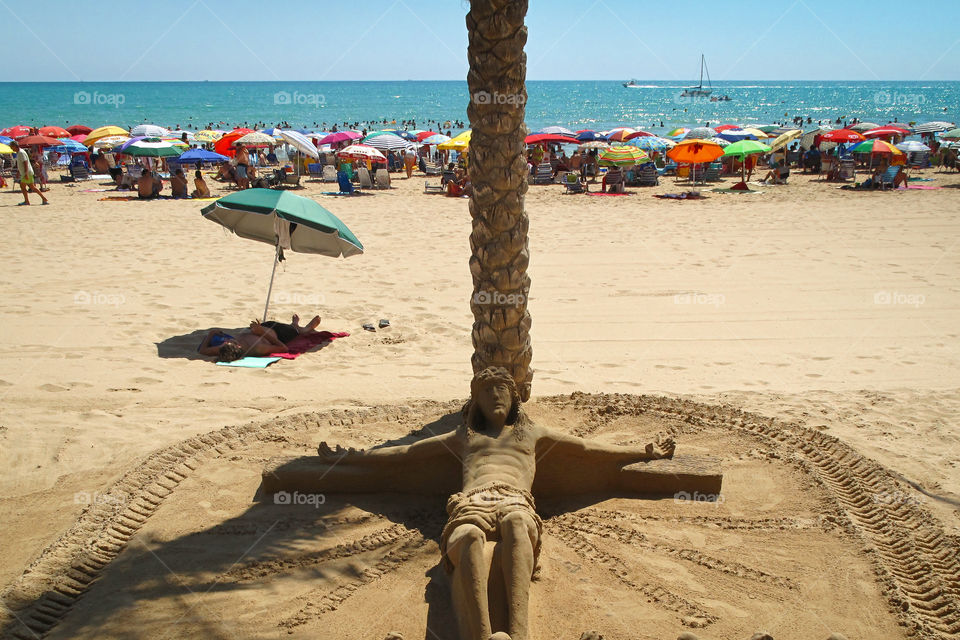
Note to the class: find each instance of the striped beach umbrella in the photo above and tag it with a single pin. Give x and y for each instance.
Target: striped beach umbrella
(678, 133)
(785, 138)
(69, 146)
(622, 156)
(618, 134)
(758, 132)
(953, 134)
(765, 128)
(361, 152)
(912, 146)
(933, 127)
(718, 141)
(735, 135)
(387, 142)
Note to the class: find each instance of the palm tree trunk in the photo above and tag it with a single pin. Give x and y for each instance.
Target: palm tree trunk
(498, 172)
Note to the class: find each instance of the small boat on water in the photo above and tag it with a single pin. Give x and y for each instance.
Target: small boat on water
(699, 91)
(633, 84)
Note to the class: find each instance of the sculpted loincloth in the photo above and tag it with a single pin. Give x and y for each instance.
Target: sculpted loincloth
(485, 507)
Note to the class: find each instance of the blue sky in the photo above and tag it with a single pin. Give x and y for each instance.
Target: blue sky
(426, 40)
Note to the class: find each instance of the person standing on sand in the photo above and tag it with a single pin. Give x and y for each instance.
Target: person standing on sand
(409, 160)
(25, 169)
(243, 163)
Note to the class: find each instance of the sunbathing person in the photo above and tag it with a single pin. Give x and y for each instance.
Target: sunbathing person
(149, 185)
(178, 184)
(261, 339)
(778, 174)
(202, 191)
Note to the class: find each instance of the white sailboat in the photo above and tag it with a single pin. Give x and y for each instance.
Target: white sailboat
(699, 91)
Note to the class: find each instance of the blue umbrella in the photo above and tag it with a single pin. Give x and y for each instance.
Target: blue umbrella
(590, 136)
(200, 155)
(650, 143)
(5, 139)
(69, 146)
(736, 135)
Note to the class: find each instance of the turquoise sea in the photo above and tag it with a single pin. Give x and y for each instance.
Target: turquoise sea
(574, 104)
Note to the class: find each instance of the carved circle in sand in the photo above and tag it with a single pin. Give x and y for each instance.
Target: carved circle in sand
(807, 535)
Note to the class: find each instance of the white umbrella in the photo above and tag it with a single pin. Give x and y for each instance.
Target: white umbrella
(563, 131)
(300, 142)
(361, 152)
(388, 142)
(933, 127)
(256, 138)
(149, 130)
(912, 146)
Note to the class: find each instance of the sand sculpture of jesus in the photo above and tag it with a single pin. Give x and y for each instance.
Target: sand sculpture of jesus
(498, 448)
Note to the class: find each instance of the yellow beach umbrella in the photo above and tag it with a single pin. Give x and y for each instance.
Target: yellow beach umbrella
(760, 135)
(208, 135)
(103, 132)
(459, 143)
(5, 149)
(785, 138)
(107, 142)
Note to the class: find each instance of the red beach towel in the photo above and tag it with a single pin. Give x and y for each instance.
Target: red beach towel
(302, 344)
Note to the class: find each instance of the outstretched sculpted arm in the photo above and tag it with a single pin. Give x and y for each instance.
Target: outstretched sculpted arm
(589, 451)
(426, 450)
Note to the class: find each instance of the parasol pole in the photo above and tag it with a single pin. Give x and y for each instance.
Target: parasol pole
(276, 261)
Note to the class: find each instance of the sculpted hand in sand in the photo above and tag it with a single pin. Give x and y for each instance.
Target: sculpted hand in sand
(499, 448)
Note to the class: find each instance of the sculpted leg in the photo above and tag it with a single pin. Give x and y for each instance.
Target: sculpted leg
(469, 581)
(518, 534)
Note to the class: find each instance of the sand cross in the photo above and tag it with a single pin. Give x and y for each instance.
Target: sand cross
(493, 466)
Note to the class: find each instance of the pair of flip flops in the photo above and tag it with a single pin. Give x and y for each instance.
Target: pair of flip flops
(382, 324)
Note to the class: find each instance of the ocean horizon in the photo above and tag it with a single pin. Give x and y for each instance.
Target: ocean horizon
(577, 104)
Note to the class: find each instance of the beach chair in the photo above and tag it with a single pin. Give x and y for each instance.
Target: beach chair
(432, 169)
(888, 177)
(446, 177)
(544, 174)
(848, 169)
(291, 179)
(315, 169)
(365, 181)
(613, 182)
(648, 176)
(432, 188)
(329, 173)
(669, 168)
(571, 183)
(382, 178)
(79, 172)
(346, 187)
(712, 172)
(919, 159)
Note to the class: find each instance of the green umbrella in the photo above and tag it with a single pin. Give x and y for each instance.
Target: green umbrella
(153, 148)
(286, 221)
(951, 135)
(743, 149)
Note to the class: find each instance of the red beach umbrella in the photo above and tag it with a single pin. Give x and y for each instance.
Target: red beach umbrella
(38, 141)
(224, 146)
(54, 132)
(636, 134)
(423, 135)
(76, 129)
(80, 137)
(842, 135)
(540, 138)
(17, 132)
(883, 132)
(724, 127)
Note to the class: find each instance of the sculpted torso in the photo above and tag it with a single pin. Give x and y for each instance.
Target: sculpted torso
(499, 457)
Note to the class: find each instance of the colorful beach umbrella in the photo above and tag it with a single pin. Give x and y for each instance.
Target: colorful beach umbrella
(618, 134)
(208, 135)
(103, 132)
(842, 135)
(285, 221)
(388, 142)
(677, 133)
(622, 156)
(886, 132)
(725, 127)
(107, 142)
(193, 156)
(735, 135)
(765, 128)
(69, 146)
(953, 134)
(423, 135)
(876, 146)
(4, 149)
(759, 133)
(637, 134)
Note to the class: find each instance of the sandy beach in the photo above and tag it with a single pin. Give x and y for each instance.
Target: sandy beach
(130, 464)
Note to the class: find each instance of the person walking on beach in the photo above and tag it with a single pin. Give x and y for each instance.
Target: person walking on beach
(409, 160)
(243, 163)
(25, 169)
